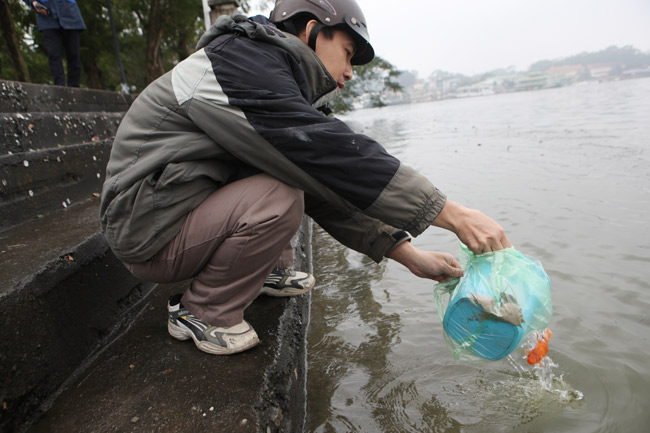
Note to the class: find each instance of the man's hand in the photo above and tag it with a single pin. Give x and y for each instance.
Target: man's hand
(426, 264)
(39, 8)
(478, 231)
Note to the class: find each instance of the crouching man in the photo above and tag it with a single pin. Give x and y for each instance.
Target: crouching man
(216, 162)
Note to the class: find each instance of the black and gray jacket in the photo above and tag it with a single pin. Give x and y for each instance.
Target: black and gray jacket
(246, 103)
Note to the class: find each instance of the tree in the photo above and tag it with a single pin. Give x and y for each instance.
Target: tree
(169, 27)
(12, 41)
(153, 36)
(407, 78)
(30, 43)
(371, 81)
(97, 53)
(626, 57)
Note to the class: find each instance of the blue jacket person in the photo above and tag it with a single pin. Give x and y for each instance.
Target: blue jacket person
(61, 23)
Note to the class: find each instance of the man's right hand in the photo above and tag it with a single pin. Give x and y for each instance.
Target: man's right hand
(39, 8)
(478, 231)
(426, 264)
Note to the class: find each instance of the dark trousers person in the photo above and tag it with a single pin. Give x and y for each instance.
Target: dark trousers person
(55, 39)
(60, 21)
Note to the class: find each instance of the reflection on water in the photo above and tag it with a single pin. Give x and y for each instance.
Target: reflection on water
(567, 173)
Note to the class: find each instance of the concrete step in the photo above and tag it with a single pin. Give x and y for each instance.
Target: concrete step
(54, 145)
(17, 97)
(31, 248)
(146, 381)
(33, 184)
(84, 346)
(62, 293)
(25, 132)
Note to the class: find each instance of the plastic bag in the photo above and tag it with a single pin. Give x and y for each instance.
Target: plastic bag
(501, 298)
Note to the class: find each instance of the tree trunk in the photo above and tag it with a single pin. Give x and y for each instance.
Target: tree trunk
(93, 74)
(13, 43)
(154, 35)
(182, 50)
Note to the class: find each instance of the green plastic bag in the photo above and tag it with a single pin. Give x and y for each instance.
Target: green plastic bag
(501, 298)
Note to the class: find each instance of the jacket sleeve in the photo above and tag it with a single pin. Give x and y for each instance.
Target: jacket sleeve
(362, 233)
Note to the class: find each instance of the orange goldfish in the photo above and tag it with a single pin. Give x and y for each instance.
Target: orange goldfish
(536, 355)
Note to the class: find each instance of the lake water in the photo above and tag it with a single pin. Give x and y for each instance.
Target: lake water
(567, 173)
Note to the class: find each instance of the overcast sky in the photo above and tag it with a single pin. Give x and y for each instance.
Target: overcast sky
(474, 36)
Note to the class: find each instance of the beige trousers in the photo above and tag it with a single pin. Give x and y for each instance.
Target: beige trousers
(228, 246)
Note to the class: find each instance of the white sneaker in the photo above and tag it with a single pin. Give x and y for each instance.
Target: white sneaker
(287, 282)
(182, 325)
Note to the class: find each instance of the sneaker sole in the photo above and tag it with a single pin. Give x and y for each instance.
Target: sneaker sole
(183, 334)
(279, 293)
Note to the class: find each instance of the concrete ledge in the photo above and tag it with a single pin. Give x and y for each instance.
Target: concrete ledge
(283, 402)
(17, 97)
(25, 132)
(52, 320)
(39, 253)
(147, 381)
(36, 183)
(62, 292)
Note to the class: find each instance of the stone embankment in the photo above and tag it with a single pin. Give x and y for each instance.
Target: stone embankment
(84, 345)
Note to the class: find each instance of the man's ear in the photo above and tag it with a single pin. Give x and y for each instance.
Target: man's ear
(304, 35)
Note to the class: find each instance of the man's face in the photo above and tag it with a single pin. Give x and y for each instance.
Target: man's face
(336, 54)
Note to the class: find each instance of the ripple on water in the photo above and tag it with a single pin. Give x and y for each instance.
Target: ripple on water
(473, 397)
(502, 400)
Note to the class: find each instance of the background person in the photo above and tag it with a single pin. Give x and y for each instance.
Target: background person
(61, 23)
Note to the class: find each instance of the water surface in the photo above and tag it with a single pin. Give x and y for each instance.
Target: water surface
(567, 173)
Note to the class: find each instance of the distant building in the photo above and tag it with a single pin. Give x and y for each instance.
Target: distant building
(565, 75)
(391, 97)
(636, 73)
(603, 70)
(484, 88)
(504, 82)
(423, 91)
(444, 85)
(532, 81)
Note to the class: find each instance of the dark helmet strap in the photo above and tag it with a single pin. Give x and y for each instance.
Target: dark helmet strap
(314, 34)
